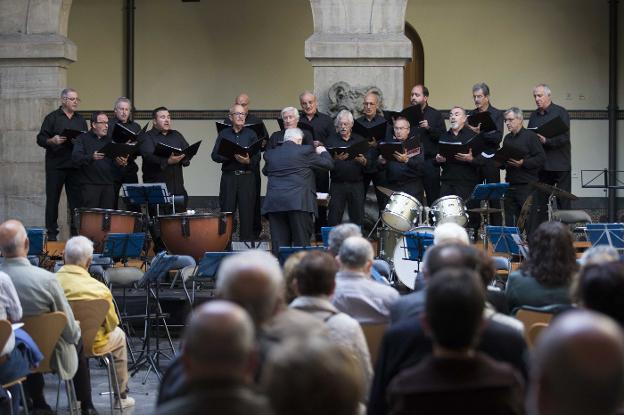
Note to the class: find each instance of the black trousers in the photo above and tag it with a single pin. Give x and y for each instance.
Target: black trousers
(257, 219)
(98, 196)
(378, 179)
(55, 180)
(128, 178)
(514, 200)
(348, 195)
(291, 228)
(491, 174)
(431, 181)
(239, 192)
(321, 178)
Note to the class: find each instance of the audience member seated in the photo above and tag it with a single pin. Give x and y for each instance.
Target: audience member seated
(78, 284)
(356, 293)
(600, 287)
(312, 377)
(39, 292)
(315, 282)
(218, 357)
(289, 265)
(544, 279)
(450, 232)
(253, 280)
(599, 254)
(456, 378)
(577, 366)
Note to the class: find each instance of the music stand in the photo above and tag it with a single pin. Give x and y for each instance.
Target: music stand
(37, 245)
(147, 194)
(206, 270)
(611, 234)
(503, 240)
(121, 246)
(484, 193)
(286, 251)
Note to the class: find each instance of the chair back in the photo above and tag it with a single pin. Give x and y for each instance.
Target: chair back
(534, 332)
(531, 317)
(5, 332)
(373, 334)
(91, 315)
(45, 330)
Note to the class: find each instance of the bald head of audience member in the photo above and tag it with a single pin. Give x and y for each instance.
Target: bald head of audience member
(450, 254)
(339, 233)
(13, 239)
(252, 279)
(312, 376)
(578, 366)
(219, 343)
(454, 310)
(356, 255)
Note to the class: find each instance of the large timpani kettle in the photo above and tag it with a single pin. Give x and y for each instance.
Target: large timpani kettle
(97, 223)
(196, 234)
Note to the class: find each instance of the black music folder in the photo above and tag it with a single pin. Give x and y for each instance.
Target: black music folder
(448, 149)
(413, 114)
(71, 134)
(484, 118)
(387, 148)
(123, 134)
(257, 128)
(552, 128)
(377, 131)
(165, 150)
(508, 151)
(300, 125)
(360, 147)
(114, 150)
(228, 148)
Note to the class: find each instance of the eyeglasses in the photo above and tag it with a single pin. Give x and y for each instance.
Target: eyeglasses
(72, 99)
(369, 104)
(401, 128)
(238, 114)
(509, 119)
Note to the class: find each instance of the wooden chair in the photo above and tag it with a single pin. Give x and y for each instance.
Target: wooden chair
(531, 317)
(534, 332)
(373, 334)
(45, 330)
(91, 315)
(5, 334)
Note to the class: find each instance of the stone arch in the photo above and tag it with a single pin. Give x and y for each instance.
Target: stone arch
(415, 69)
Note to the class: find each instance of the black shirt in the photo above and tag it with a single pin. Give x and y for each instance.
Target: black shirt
(245, 138)
(155, 168)
(399, 173)
(492, 139)
(102, 172)
(431, 136)
(54, 123)
(249, 120)
(132, 168)
(347, 170)
(277, 138)
(461, 171)
(557, 148)
(322, 124)
(534, 157)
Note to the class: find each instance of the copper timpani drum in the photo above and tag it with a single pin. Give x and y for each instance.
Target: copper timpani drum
(196, 234)
(96, 223)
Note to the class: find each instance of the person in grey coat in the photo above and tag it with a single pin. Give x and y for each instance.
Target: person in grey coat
(290, 201)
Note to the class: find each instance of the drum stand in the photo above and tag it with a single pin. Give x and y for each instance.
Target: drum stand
(484, 193)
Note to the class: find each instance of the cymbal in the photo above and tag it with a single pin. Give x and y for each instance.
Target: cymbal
(547, 188)
(484, 211)
(385, 190)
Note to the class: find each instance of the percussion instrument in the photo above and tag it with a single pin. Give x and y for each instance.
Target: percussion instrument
(409, 252)
(553, 190)
(388, 240)
(449, 209)
(402, 212)
(96, 224)
(196, 234)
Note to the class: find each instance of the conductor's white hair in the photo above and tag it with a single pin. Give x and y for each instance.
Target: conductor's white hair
(292, 134)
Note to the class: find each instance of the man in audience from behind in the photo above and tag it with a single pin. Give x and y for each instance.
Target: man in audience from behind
(78, 284)
(314, 279)
(312, 377)
(356, 293)
(600, 287)
(577, 366)
(218, 355)
(456, 378)
(39, 293)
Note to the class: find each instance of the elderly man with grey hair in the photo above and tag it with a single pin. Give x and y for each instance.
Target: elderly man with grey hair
(218, 356)
(578, 366)
(356, 293)
(78, 285)
(290, 119)
(290, 201)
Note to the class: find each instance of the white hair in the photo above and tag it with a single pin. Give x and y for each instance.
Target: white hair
(78, 250)
(546, 88)
(293, 134)
(120, 100)
(450, 232)
(355, 252)
(343, 114)
(599, 254)
(339, 233)
(290, 109)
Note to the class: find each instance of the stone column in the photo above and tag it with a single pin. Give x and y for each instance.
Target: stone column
(34, 56)
(362, 43)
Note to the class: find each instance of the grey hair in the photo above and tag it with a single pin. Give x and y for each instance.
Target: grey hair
(339, 233)
(547, 90)
(306, 92)
(450, 232)
(517, 113)
(483, 87)
(355, 252)
(459, 108)
(66, 91)
(292, 134)
(78, 250)
(120, 100)
(599, 254)
(11, 247)
(290, 109)
(343, 114)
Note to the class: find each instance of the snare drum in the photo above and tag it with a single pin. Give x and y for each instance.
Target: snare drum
(96, 224)
(449, 209)
(196, 234)
(402, 212)
(406, 255)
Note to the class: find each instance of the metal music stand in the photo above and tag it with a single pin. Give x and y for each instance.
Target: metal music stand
(503, 240)
(416, 243)
(37, 245)
(484, 193)
(121, 246)
(146, 194)
(611, 234)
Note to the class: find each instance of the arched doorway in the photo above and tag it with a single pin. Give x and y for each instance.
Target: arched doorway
(415, 70)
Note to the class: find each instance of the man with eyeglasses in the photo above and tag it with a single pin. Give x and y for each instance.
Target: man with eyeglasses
(59, 168)
(238, 188)
(404, 173)
(98, 173)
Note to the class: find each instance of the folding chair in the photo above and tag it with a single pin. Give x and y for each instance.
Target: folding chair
(204, 272)
(373, 333)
